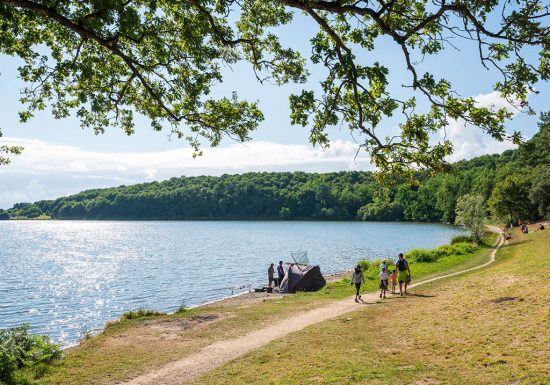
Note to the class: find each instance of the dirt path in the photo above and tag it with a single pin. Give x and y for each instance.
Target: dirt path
(218, 353)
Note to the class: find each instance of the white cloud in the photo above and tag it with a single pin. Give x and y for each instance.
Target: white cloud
(469, 141)
(60, 169)
(39, 157)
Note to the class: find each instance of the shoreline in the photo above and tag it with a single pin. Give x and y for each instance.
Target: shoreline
(242, 298)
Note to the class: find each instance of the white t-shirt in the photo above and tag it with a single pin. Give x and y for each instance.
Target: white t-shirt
(383, 275)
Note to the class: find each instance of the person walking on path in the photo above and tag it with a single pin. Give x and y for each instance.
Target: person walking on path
(393, 278)
(383, 282)
(403, 273)
(280, 272)
(270, 274)
(357, 279)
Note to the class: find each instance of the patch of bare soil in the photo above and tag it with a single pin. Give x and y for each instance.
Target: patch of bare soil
(506, 299)
(427, 381)
(153, 331)
(182, 324)
(247, 299)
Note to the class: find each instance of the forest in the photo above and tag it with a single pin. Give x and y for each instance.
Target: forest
(515, 185)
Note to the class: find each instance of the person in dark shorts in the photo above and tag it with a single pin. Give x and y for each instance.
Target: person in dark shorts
(357, 279)
(403, 273)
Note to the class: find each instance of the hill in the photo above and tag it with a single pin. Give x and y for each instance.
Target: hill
(515, 184)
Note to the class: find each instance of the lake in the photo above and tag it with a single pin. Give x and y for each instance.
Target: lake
(67, 278)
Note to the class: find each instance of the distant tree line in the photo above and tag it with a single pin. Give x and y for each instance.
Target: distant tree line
(514, 185)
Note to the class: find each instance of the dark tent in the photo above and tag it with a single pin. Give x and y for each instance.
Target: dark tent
(302, 278)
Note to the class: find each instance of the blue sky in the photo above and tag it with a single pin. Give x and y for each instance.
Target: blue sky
(61, 158)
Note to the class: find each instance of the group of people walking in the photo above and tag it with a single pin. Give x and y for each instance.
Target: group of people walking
(401, 274)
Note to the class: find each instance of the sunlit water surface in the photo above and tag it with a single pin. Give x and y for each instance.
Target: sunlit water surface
(67, 278)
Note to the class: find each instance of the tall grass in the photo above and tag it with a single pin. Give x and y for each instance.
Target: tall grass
(140, 313)
(428, 256)
(463, 239)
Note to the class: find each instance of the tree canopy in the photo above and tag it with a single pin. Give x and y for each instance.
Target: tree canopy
(472, 213)
(106, 60)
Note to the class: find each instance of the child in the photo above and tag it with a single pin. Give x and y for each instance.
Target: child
(357, 279)
(393, 278)
(383, 282)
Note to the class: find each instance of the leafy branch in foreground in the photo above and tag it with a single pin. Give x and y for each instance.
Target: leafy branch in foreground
(6, 150)
(110, 59)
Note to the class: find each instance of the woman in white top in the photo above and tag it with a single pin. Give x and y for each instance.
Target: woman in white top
(357, 279)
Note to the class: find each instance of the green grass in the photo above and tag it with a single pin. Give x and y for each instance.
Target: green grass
(486, 327)
(140, 313)
(129, 347)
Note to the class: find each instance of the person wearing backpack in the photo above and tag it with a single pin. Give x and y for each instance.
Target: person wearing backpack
(403, 273)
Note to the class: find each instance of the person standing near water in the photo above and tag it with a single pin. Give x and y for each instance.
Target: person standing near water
(403, 273)
(270, 273)
(280, 272)
(357, 279)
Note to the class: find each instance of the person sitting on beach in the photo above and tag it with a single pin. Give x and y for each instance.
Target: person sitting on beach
(357, 279)
(403, 273)
(383, 282)
(393, 278)
(270, 273)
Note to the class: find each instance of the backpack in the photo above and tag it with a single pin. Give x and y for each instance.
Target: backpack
(401, 265)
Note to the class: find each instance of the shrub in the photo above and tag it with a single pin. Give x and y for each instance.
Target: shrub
(464, 248)
(374, 265)
(422, 255)
(463, 239)
(429, 256)
(140, 313)
(365, 265)
(21, 351)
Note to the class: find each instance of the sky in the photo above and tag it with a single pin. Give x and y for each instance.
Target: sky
(60, 158)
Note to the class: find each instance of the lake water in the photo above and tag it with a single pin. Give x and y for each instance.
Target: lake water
(66, 278)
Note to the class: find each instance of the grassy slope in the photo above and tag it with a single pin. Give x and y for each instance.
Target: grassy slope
(116, 355)
(455, 331)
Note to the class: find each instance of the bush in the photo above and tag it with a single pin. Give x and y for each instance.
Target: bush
(464, 248)
(463, 239)
(422, 255)
(374, 265)
(429, 256)
(140, 313)
(22, 352)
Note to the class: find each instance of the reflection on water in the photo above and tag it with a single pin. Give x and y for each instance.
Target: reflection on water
(66, 278)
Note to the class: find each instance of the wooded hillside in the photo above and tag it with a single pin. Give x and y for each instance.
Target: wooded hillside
(515, 185)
